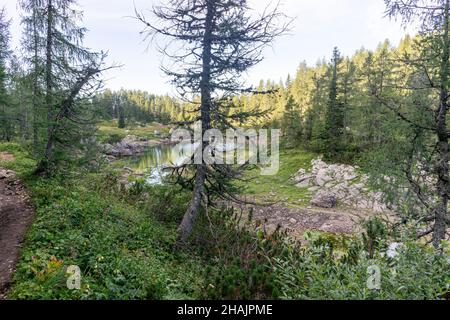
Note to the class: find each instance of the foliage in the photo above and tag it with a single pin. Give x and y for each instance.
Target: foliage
(137, 106)
(123, 252)
(122, 239)
(108, 131)
(292, 123)
(260, 266)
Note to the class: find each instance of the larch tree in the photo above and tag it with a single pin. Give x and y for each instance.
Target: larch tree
(66, 71)
(211, 43)
(32, 43)
(423, 106)
(5, 118)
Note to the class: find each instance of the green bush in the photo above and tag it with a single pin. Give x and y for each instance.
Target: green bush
(121, 251)
(122, 238)
(249, 265)
(113, 138)
(418, 273)
(23, 163)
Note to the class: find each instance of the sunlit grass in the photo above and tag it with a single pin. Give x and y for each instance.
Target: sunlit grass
(281, 187)
(110, 129)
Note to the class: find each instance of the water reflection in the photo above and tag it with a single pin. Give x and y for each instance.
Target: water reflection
(153, 162)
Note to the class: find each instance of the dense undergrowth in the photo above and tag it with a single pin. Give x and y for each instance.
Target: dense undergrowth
(123, 241)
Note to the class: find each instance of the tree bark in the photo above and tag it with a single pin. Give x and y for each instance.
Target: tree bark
(187, 224)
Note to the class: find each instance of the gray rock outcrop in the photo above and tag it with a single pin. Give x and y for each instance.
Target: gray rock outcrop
(129, 146)
(333, 184)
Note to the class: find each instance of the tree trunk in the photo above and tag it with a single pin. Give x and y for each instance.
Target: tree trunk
(187, 225)
(440, 226)
(35, 85)
(49, 81)
(64, 111)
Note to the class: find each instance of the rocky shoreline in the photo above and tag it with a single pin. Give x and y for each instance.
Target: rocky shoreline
(131, 146)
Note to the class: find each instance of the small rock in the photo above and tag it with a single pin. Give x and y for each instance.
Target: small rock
(304, 184)
(348, 176)
(322, 177)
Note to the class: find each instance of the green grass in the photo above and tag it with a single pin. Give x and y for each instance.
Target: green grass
(122, 241)
(280, 187)
(23, 163)
(108, 131)
(122, 251)
(85, 219)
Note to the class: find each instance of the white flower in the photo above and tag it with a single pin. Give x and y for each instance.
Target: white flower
(394, 249)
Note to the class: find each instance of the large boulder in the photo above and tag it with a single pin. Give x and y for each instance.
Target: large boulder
(304, 183)
(107, 149)
(125, 152)
(324, 200)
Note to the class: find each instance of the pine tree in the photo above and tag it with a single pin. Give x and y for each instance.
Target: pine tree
(121, 123)
(422, 105)
(32, 42)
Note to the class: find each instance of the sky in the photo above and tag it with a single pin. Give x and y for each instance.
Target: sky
(319, 26)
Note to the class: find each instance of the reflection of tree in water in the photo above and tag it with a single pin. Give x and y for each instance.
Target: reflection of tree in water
(155, 159)
(152, 162)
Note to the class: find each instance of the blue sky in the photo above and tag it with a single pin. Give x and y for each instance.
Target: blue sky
(320, 25)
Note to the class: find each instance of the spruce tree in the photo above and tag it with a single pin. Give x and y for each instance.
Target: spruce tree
(33, 42)
(334, 119)
(292, 123)
(422, 105)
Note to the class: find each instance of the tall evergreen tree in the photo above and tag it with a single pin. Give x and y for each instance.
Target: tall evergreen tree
(292, 123)
(5, 116)
(32, 43)
(68, 69)
(334, 121)
(215, 42)
(422, 104)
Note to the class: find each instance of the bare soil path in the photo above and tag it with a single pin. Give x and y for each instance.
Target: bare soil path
(16, 215)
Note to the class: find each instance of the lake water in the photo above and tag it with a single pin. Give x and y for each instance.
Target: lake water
(152, 163)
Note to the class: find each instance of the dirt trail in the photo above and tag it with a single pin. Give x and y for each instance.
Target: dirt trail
(16, 214)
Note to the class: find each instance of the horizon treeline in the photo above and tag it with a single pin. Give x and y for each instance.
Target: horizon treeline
(331, 107)
(299, 105)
